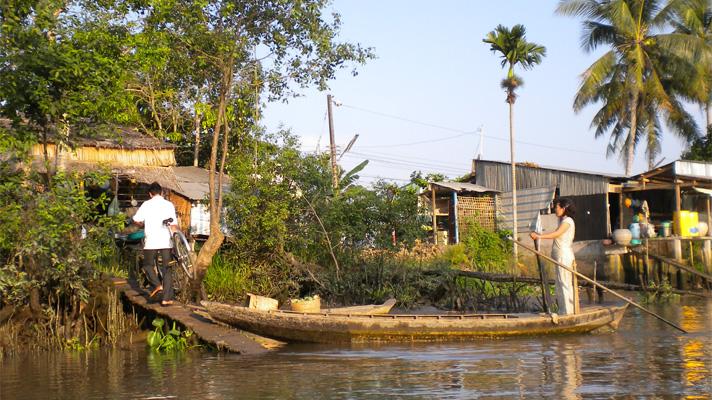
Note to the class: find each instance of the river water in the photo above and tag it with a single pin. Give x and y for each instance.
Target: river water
(644, 358)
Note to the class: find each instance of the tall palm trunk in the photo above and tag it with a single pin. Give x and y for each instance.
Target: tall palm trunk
(630, 143)
(510, 100)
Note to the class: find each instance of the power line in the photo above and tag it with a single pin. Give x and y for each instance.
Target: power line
(412, 121)
(418, 160)
(383, 177)
(323, 126)
(462, 133)
(416, 143)
(407, 158)
(408, 164)
(405, 162)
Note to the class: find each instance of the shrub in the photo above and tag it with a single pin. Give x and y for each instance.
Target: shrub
(485, 250)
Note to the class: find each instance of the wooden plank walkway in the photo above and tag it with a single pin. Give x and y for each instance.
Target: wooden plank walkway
(208, 331)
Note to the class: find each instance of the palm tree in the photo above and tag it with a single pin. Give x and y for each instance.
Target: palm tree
(694, 18)
(515, 50)
(637, 79)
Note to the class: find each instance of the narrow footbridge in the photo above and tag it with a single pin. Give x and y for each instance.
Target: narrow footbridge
(215, 334)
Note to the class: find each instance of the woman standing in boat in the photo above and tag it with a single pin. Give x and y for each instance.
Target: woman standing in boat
(563, 252)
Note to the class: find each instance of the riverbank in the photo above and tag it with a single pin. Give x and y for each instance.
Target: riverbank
(209, 332)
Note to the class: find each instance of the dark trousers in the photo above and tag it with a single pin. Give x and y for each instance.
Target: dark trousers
(149, 261)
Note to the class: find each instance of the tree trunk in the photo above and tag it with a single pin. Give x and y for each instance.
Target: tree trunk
(630, 143)
(216, 238)
(196, 130)
(709, 118)
(510, 100)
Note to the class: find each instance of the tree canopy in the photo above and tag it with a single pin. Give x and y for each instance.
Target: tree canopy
(638, 79)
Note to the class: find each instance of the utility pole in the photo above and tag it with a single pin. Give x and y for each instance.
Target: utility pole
(481, 147)
(514, 180)
(334, 169)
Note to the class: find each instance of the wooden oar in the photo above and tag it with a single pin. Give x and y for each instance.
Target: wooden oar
(545, 295)
(591, 281)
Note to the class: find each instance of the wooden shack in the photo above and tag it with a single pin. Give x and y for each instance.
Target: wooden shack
(680, 185)
(454, 204)
(191, 199)
(588, 190)
(135, 161)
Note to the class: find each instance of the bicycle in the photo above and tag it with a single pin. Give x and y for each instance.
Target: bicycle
(180, 249)
(181, 256)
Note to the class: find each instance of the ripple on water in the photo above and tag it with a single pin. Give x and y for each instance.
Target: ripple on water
(644, 358)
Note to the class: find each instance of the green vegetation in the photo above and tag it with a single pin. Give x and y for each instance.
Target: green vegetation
(163, 338)
(196, 74)
(52, 240)
(481, 249)
(700, 149)
(646, 73)
(659, 293)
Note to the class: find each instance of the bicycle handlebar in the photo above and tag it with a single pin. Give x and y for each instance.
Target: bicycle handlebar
(167, 221)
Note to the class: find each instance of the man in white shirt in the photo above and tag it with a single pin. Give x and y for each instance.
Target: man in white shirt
(151, 215)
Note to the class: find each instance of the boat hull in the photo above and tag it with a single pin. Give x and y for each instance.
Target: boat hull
(346, 328)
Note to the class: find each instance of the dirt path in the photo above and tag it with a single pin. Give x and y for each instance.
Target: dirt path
(218, 335)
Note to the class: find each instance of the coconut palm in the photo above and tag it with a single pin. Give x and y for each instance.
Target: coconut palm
(637, 79)
(514, 50)
(694, 18)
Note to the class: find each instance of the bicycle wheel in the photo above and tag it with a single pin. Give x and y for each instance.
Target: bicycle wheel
(181, 284)
(183, 256)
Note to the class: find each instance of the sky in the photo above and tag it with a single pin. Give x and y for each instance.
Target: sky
(435, 84)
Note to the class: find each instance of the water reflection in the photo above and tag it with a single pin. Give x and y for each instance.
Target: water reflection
(643, 359)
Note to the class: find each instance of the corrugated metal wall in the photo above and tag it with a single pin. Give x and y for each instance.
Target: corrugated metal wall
(530, 203)
(590, 217)
(498, 176)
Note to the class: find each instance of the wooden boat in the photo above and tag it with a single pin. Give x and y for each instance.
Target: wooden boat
(369, 309)
(326, 327)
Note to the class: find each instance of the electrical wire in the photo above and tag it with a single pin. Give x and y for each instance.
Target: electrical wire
(409, 165)
(412, 121)
(416, 143)
(416, 161)
(462, 133)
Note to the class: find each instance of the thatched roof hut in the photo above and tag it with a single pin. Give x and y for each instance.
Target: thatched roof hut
(135, 160)
(126, 152)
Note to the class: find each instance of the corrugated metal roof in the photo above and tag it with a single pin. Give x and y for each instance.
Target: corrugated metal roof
(498, 175)
(551, 168)
(464, 187)
(194, 182)
(693, 169)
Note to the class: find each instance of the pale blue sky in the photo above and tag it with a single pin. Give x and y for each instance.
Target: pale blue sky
(432, 67)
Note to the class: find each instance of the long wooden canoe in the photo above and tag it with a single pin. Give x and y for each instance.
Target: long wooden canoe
(346, 328)
(368, 309)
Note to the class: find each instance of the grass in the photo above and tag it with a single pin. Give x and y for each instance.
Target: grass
(229, 278)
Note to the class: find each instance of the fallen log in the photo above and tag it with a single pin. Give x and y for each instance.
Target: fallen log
(507, 278)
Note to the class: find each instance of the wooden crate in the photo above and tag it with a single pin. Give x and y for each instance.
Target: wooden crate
(261, 302)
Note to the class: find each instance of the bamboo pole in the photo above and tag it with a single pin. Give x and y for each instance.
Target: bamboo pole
(574, 281)
(435, 216)
(545, 295)
(620, 211)
(587, 279)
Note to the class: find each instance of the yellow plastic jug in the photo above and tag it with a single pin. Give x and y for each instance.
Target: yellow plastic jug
(685, 223)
